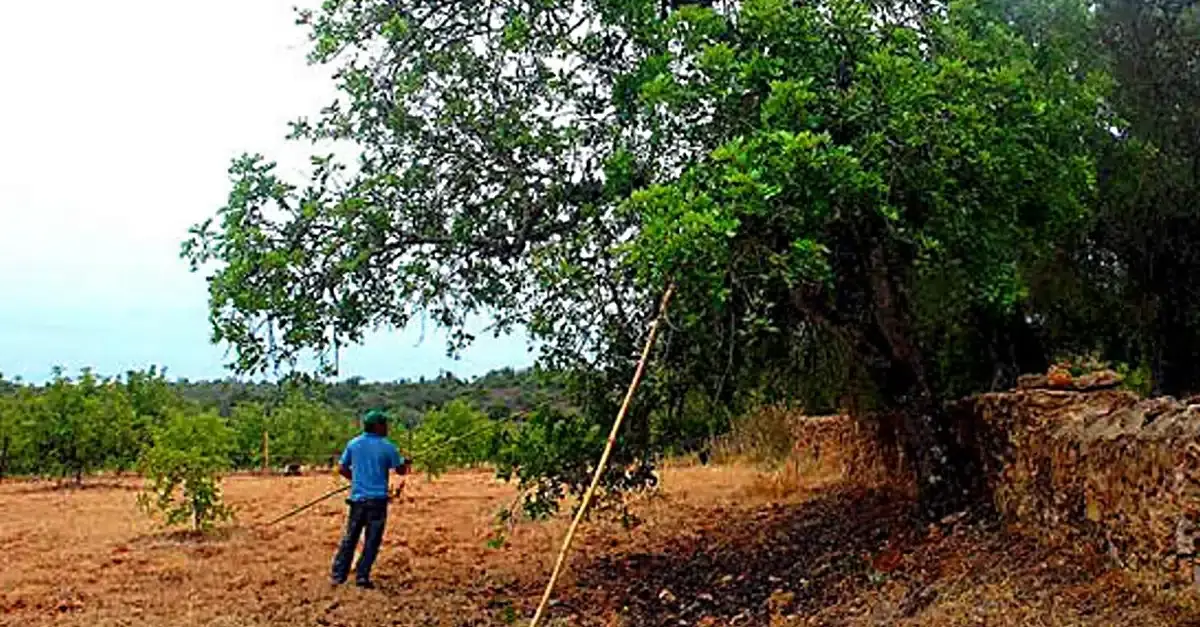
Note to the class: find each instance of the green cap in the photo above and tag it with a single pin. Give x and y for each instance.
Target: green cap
(374, 417)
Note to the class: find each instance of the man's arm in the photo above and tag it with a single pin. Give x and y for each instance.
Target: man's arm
(344, 465)
(400, 462)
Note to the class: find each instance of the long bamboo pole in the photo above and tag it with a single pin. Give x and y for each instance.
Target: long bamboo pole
(608, 447)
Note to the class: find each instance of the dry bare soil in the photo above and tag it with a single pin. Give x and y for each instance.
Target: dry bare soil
(715, 546)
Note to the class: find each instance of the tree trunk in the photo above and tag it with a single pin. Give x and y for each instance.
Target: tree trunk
(1174, 364)
(4, 457)
(1028, 348)
(1015, 346)
(946, 475)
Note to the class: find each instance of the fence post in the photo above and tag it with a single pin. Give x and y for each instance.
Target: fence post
(266, 452)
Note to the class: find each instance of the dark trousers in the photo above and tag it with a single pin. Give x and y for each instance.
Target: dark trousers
(364, 515)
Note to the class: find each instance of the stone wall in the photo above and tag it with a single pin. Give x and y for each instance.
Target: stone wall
(865, 450)
(1098, 465)
(1076, 459)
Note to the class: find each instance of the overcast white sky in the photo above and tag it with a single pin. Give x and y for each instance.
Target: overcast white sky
(118, 120)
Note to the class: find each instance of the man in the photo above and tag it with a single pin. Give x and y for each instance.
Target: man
(366, 462)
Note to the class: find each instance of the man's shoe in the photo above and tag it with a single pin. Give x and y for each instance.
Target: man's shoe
(334, 581)
(365, 585)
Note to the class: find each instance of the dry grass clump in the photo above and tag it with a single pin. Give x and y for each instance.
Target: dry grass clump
(762, 437)
(800, 451)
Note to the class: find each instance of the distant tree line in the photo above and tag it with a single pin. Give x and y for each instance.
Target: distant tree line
(71, 426)
(500, 390)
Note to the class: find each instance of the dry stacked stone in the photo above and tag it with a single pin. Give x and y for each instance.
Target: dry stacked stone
(1087, 460)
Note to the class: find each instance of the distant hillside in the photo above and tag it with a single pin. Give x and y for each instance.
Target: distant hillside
(505, 390)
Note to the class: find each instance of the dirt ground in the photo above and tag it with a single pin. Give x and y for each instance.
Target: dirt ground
(715, 546)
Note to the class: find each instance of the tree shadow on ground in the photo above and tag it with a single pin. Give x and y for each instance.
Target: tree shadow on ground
(856, 556)
(785, 559)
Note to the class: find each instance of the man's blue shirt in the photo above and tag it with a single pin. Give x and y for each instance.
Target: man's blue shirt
(369, 458)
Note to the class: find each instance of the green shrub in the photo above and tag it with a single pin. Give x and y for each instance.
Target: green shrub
(1138, 379)
(183, 468)
(454, 435)
(550, 454)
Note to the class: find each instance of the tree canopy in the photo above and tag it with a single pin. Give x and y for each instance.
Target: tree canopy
(883, 204)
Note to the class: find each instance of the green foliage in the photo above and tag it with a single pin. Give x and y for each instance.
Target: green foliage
(153, 399)
(248, 423)
(937, 175)
(795, 169)
(14, 429)
(455, 435)
(1141, 257)
(299, 430)
(303, 430)
(504, 390)
(77, 426)
(1138, 379)
(74, 426)
(550, 454)
(182, 470)
(81, 425)
(861, 204)
(1134, 377)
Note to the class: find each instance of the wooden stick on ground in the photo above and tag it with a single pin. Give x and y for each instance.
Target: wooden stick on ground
(608, 446)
